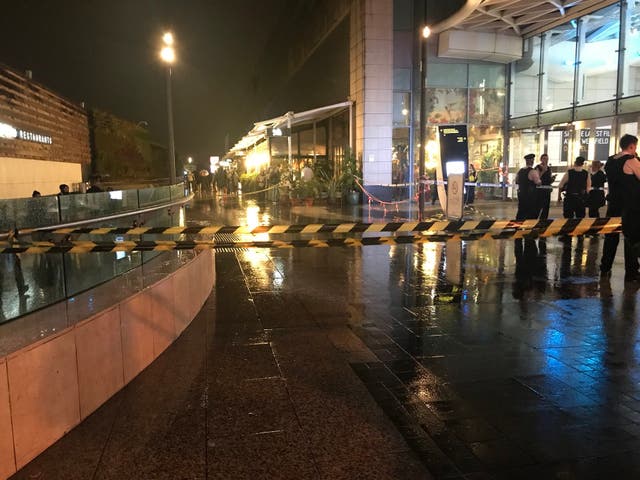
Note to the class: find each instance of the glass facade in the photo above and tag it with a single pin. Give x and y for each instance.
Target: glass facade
(472, 94)
(577, 88)
(403, 56)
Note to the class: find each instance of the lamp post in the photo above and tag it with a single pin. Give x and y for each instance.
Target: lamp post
(168, 56)
(426, 31)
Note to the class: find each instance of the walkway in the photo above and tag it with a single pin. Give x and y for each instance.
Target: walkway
(493, 359)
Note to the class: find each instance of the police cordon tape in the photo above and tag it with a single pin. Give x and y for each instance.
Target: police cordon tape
(430, 226)
(509, 229)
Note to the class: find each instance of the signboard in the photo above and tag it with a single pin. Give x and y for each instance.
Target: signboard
(566, 139)
(454, 156)
(7, 131)
(603, 139)
(455, 195)
(584, 142)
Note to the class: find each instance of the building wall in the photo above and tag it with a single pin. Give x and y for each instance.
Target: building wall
(63, 133)
(371, 86)
(19, 177)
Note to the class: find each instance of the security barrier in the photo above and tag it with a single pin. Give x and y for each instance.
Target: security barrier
(433, 231)
(557, 227)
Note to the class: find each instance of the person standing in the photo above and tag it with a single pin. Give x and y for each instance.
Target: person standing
(596, 195)
(575, 184)
(631, 209)
(527, 180)
(544, 191)
(615, 204)
(472, 178)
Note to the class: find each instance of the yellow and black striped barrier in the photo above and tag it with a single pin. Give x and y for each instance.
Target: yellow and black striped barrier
(526, 229)
(558, 226)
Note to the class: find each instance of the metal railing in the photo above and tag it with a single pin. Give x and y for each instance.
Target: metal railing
(32, 282)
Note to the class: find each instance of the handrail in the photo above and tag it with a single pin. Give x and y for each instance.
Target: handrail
(106, 218)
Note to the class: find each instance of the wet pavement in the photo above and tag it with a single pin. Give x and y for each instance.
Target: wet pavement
(487, 359)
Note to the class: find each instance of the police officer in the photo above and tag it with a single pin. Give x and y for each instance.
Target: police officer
(527, 179)
(596, 195)
(575, 183)
(544, 192)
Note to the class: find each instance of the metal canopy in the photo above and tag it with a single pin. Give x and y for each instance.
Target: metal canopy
(526, 17)
(288, 120)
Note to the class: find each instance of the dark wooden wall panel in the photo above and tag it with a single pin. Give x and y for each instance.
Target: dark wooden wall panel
(29, 106)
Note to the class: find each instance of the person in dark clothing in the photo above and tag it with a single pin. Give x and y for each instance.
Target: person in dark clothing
(95, 188)
(575, 184)
(527, 180)
(596, 195)
(470, 192)
(544, 191)
(631, 209)
(64, 189)
(615, 203)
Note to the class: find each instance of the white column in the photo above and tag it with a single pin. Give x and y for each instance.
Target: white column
(371, 86)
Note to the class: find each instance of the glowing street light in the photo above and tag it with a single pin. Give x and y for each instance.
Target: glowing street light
(168, 56)
(167, 38)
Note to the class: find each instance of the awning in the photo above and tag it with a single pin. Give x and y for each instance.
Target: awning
(289, 119)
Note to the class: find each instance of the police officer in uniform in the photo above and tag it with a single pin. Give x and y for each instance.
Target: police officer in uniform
(576, 183)
(527, 179)
(596, 195)
(614, 170)
(544, 192)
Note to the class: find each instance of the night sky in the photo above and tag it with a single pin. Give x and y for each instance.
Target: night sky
(105, 53)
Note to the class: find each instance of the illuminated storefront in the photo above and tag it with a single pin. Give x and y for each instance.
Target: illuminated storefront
(577, 88)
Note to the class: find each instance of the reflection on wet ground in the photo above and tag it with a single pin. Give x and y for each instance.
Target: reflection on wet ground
(493, 359)
(508, 358)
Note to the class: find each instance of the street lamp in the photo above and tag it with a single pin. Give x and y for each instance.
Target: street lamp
(168, 56)
(426, 31)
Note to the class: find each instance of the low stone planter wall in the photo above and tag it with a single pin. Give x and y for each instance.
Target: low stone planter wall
(50, 386)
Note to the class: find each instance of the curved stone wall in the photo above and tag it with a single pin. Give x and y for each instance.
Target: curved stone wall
(49, 387)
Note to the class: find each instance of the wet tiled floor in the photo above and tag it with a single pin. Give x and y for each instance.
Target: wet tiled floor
(491, 359)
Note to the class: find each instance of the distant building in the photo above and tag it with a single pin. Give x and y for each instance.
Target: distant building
(44, 138)
(556, 77)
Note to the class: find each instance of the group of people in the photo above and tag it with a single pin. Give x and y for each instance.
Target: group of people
(586, 191)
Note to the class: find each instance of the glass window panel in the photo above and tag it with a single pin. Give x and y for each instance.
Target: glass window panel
(447, 75)
(486, 106)
(446, 105)
(598, 64)
(402, 49)
(401, 109)
(595, 110)
(525, 75)
(306, 143)
(559, 66)
(485, 151)
(558, 116)
(279, 146)
(401, 79)
(400, 156)
(486, 76)
(91, 205)
(631, 73)
(523, 122)
(627, 105)
(402, 14)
